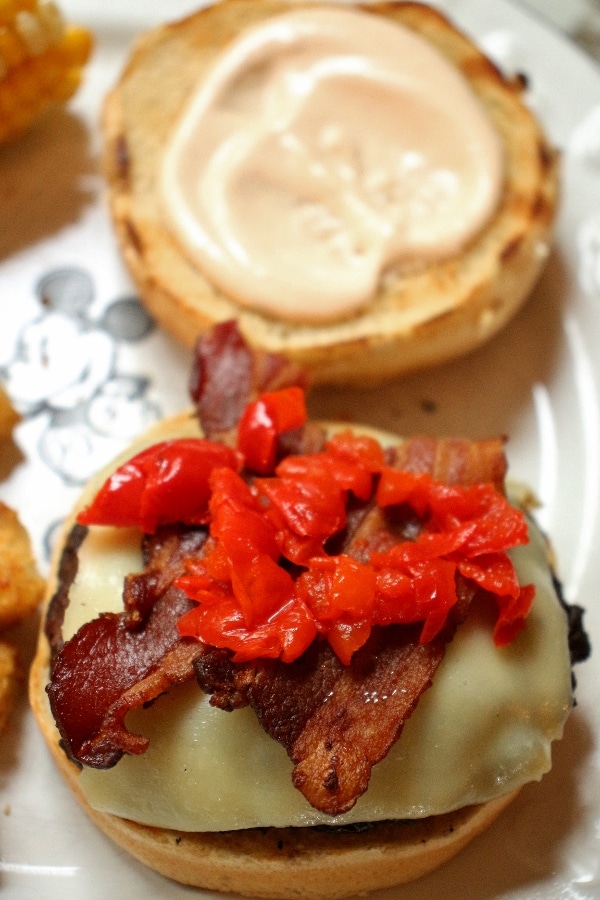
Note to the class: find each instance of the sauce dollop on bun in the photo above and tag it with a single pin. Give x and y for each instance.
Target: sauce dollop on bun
(359, 186)
(319, 153)
(290, 659)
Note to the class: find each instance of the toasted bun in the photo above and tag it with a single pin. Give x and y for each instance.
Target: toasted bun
(280, 863)
(417, 319)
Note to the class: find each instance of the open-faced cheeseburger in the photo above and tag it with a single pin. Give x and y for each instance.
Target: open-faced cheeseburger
(260, 624)
(358, 185)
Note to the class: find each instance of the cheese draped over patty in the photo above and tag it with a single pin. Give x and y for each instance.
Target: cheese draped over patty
(483, 729)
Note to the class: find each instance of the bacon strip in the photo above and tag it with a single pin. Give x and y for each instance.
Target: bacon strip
(67, 572)
(362, 718)
(337, 722)
(227, 374)
(221, 378)
(455, 460)
(108, 668)
(365, 714)
(121, 661)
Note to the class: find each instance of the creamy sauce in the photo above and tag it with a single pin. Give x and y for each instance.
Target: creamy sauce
(324, 147)
(484, 728)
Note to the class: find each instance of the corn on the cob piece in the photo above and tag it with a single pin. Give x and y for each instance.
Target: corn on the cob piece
(41, 61)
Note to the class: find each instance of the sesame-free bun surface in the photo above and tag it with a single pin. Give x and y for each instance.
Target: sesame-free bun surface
(418, 318)
(273, 863)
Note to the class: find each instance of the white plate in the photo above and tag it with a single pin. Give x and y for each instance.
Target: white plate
(538, 382)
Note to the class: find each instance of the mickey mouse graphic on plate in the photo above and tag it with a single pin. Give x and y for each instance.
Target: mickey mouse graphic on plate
(65, 365)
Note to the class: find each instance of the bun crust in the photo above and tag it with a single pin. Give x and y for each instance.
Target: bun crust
(418, 318)
(286, 863)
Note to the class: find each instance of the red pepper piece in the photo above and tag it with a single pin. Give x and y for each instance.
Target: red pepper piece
(286, 635)
(414, 590)
(435, 595)
(328, 469)
(337, 587)
(168, 482)
(247, 548)
(355, 459)
(313, 504)
(397, 486)
(298, 630)
(512, 613)
(359, 448)
(262, 422)
(394, 591)
(238, 521)
(313, 507)
(482, 517)
(252, 607)
(250, 603)
(340, 593)
(308, 496)
(475, 518)
(346, 638)
(198, 585)
(494, 572)
(261, 588)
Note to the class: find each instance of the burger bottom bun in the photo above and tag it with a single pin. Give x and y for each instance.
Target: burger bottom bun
(271, 862)
(283, 863)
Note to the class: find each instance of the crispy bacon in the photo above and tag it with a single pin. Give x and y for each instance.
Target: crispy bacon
(335, 721)
(109, 668)
(221, 378)
(227, 374)
(67, 572)
(364, 715)
(455, 460)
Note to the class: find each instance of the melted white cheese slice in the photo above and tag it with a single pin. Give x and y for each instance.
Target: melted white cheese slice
(484, 728)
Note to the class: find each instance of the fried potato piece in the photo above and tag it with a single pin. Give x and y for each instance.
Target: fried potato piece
(8, 416)
(21, 587)
(11, 674)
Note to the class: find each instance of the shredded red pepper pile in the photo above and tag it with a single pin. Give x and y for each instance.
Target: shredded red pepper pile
(266, 586)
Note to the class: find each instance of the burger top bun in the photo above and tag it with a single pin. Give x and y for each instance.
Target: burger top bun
(423, 310)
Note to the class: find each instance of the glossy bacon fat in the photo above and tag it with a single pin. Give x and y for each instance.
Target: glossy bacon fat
(298, 574)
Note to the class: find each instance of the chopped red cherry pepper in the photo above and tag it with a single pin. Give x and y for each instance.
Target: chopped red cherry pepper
(340, 592)
(264, 420)
(266, 587)
(309, 493)
(167, 482)
(306, 510)
(414, 590)
(247, 601)
(512, 612)
(465, 530)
